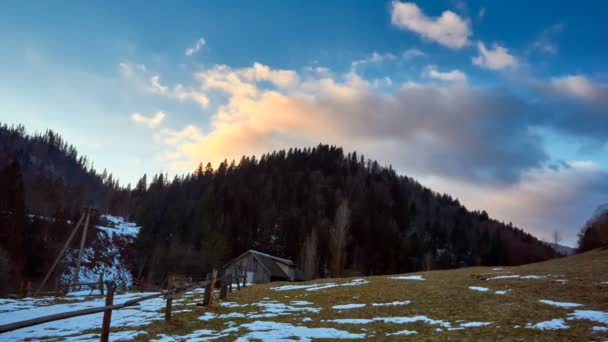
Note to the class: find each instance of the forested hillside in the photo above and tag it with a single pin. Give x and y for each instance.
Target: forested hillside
(45, 184)
(55, 177)
(333, 213)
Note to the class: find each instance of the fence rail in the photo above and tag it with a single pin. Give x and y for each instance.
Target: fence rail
(107, 309)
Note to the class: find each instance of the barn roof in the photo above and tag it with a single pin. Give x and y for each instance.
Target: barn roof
(269, 262)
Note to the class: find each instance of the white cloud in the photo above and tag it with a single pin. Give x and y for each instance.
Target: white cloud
(449, 29)
(156, 86)
(451, 76)
(152, 121)
(280, 78)
(412, 53)
(495, 58)
(196, 48)
(375, 57)
(576, 85)
(149, 82)
(482, 13)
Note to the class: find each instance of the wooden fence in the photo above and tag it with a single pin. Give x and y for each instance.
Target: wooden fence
(109, 305)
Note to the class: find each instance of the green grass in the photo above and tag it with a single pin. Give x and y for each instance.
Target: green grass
(444, 295)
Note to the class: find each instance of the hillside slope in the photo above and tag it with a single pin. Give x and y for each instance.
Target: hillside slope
(563, 299)
(286, 204)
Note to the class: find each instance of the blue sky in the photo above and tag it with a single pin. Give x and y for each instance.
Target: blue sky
(502, 104)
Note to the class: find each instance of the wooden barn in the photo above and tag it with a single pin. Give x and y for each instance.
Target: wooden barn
(260, 267)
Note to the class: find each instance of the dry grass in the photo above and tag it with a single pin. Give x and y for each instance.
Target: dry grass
(444, 295)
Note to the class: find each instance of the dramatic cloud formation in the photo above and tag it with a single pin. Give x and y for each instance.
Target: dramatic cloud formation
(452, 76)
(449, 29)
(424, 128)
(546, 199)
(196, 48)
(475, 143)
(151, 121)
(495, 58)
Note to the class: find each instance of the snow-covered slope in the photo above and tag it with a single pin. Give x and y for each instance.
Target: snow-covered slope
(107, 254)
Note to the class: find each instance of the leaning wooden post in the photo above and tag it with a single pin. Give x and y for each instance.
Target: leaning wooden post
(79, 259)
(169, 298)
(107, 315)
(65, 246)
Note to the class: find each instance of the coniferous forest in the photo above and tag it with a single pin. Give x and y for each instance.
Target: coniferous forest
(332, 212)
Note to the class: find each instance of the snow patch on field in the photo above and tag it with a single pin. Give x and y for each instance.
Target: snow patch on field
(125, 335)
(138, 315)
(560, 304)
(317, 287)
(300, 302)
(198, 335)
(396, 303)
(516, 276)
(413, 277)
(347, 306)
(591, 315)
(554, 324)
(474, 324)
(479, 289)
(273, 331)
(403, 332)
(405, 320)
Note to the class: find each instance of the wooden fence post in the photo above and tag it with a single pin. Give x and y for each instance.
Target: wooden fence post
(223, 287)
(101, 283)
(213, 281)
(169, 299)
(229, 282)
(238, 282)
(207, 290)
(107, 315)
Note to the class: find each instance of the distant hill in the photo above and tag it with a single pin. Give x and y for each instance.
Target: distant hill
(561, 249)
(287, 203)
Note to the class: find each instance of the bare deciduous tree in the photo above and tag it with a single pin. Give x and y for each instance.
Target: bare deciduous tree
(338, 238)
(308, 255)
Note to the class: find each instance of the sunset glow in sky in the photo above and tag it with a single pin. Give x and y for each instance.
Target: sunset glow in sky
(503, 105)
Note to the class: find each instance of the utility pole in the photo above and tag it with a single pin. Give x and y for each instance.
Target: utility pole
(82, 240)
(65, 246)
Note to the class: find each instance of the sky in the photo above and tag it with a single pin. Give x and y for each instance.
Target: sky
(501, 104)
